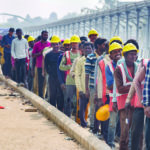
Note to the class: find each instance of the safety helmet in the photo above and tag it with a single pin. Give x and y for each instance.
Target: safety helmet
(115, 38)
(55, 39)
(129, 47)
(114, 46)
(75, 39)
(103, 113)
(92, 32)
(66, 41)
(31, 38)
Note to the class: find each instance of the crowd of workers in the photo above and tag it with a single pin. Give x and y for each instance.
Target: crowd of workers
(102, 79)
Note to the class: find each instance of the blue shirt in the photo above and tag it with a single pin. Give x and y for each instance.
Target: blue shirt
(146, 90)
(109, 75)
(7, 40)
(90, 68)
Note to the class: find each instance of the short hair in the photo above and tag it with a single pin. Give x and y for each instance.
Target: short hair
(83, 38)
(26, 36)
(18, 30)
(88, 44)
(44, 31)
(99, 41)
(133, 41)
(117, 41)
(81, 44)
(11, 30)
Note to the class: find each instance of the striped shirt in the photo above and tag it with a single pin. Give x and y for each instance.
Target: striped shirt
(90, 67)
(146, 91)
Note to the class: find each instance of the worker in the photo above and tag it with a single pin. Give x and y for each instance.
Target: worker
(51, 59)
(124, 75)
(19, 51)
(6, 44)
(66, 65)
(80, 82)
(30, 76)
(37, 53)
(92, 35)
(99, 45)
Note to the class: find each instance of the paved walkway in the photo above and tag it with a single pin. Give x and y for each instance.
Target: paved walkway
(20, 130)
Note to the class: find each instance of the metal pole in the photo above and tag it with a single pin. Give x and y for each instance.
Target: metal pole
(148, 29)
(84, 28)
(127, 24)
(90, 24)
(110, 26)
(96, 23)
(137, 26)
(78, 28)
(118, 23)
(103, 19)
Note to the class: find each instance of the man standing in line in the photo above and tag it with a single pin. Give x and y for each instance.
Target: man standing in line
(19, 52)
(37, 53)
(6, 43)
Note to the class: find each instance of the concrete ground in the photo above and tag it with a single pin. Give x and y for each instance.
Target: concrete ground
(20, 130)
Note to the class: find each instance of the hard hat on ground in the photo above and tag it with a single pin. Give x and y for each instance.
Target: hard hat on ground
(66, 41)
(31, 38)
(75, 39)
(115, 38)
(129, 47)
(55, 39)
(114, 46)
(103, 113)
(92, 32)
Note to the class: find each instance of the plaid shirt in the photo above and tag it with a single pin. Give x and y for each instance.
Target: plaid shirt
(146, 91)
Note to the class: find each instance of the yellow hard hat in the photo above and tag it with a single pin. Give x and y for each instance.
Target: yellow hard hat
(75, 39)
(114, 46)
(92, 32)
(66, 41)
(31, 38)
(55, 39)
(129, 47)
(115, 38)
(103, 113)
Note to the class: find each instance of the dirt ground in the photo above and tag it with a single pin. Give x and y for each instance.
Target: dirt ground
(20, 130)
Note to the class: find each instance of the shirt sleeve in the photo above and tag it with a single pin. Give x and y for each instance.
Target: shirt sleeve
(99, 85)
(146, 91)
(13, 49)
(109, 77)
(78, 78)
(63, 65)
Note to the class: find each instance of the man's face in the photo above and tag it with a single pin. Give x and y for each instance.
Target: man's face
(101, 47)
(55, 46)
(115, 54)
(31, 44)
(75, 45)
(93, 37)
(45, 36)
(131, 56)
(67, 47)
(19, 34)
(11, 33)
(87, 50)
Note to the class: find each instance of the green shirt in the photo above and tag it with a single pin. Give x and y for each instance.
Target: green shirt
(64, 67)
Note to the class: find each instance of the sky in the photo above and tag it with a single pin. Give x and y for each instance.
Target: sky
(43, 8)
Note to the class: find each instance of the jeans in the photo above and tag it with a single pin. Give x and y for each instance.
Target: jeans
(7, 64)
(137, 129)
(69, 94)
(56, 94)
(20, 66)
(114, 118)
(40, 82)
(83, 104)
(147, 133)
(30, 80)
(92, 108)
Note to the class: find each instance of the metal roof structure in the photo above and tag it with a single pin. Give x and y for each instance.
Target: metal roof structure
(127, 21)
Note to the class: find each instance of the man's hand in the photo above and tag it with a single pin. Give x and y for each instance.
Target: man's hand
(8, 46)
(81, 95)
(87, 94)
(147, 111)
(114, 107)
(63, 86)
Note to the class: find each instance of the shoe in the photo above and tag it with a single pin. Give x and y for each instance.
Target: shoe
(117, 139)
(22, 84)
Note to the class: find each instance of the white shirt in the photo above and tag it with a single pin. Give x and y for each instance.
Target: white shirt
(19, 48)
